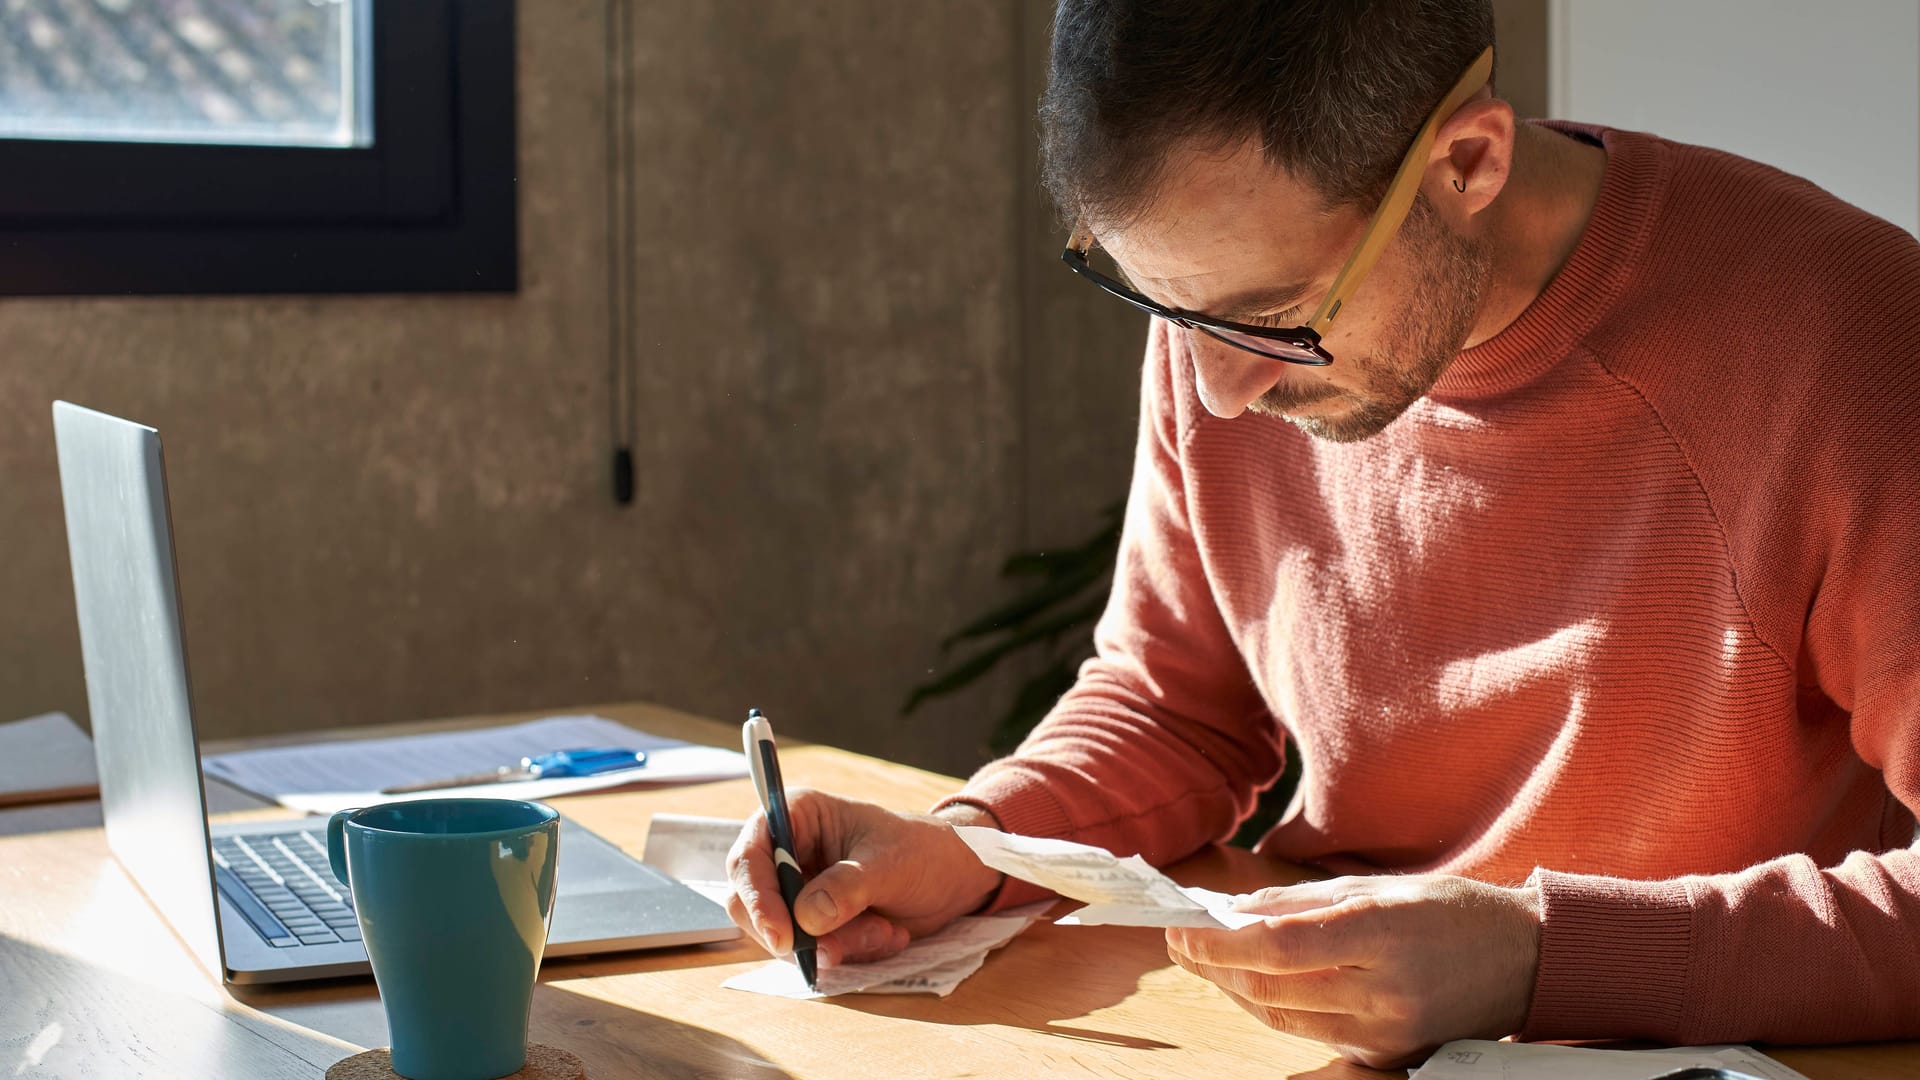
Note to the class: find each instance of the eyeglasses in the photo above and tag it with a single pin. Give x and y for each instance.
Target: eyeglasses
(1301, 344)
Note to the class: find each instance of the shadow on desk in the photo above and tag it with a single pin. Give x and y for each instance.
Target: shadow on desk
(1076, 985)
(1020, 986)
(614, 1040)
(130, 1023)
(1029, 985)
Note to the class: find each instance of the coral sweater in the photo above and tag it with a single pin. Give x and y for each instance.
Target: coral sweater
(1629, 605)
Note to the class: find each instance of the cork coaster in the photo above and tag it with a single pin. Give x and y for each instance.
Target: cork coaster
(543, 1063)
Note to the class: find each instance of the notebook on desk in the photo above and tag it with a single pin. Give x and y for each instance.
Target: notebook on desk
(254, 901)
(45, 758)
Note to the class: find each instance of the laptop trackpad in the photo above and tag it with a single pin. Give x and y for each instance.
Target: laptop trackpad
(610, 900)
(650, 918)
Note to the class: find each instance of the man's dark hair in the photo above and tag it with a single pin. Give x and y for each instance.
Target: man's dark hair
(1334, 90)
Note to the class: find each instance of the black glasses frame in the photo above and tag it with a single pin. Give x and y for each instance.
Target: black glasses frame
(1302, 338)
(1304, 341)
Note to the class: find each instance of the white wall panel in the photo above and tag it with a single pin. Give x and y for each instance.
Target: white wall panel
(1830, 91)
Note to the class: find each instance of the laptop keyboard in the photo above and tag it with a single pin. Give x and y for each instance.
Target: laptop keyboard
(284, 886)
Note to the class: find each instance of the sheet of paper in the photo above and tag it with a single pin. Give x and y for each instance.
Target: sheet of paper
(1117, 892)
(43, 758)
(693, 850)
(324, 777)
(935, 964)
(1478, 1059)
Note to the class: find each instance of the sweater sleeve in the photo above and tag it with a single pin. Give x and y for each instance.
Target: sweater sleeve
(1163, 742)
(1787, 951)
(1791, 951)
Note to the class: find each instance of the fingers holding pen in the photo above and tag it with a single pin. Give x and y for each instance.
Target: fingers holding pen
(834, 896)
(756, 905)
(862, 939)
(875, 878)
(835, 907)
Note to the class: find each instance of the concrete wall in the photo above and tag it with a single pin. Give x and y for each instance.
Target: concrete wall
(1520, 57)
(864, 380)
(396, 507)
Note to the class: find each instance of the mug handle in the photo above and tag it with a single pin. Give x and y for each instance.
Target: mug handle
(337, 843)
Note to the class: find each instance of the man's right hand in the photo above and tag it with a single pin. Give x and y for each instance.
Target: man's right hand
(876, 878)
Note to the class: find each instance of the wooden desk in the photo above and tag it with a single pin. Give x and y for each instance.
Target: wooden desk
(93, 984)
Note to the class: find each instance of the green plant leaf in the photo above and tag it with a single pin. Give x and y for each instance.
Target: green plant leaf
(1034, 619)
(1271, 804)
(1036, 699)
(1017, 611)
(982, 662)
(1100, 547)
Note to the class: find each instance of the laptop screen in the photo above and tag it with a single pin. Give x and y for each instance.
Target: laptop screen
(127, 599)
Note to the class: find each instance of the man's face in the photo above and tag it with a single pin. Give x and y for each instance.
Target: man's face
(1232, 237)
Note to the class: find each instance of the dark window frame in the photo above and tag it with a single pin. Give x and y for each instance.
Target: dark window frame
(430, 207)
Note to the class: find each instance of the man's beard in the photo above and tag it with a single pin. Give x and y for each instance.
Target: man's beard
(1419, 344)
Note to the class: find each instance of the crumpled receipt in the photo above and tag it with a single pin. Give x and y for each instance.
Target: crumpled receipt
(1117, 892)
(694, 850)
(934, 964)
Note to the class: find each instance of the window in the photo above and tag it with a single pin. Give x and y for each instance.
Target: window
(228, 146)
(247, 73)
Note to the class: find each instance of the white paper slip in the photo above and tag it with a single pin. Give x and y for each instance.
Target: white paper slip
(693, 850)
(1478, 1059)
(935, 964)
(782, 979)
(1117, 892)
(324, 777)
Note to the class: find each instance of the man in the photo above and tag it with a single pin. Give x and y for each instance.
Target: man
(1581, 580)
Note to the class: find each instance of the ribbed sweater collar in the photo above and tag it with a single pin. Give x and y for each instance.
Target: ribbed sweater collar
(1603, 264)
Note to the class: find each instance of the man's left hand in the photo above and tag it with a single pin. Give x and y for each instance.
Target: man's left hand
(1383, 968)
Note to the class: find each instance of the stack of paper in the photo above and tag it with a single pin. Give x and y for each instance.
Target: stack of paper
(694, 850)
(323, 777)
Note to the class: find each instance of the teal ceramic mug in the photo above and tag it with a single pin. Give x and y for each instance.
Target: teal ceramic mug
(454, 898)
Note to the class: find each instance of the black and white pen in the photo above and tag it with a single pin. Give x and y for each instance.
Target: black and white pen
(764, 765)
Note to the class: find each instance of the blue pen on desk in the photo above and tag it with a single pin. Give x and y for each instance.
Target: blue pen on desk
(584, 762)
(764, 764)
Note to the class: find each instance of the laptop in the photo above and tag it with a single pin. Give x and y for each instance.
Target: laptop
(256, 902)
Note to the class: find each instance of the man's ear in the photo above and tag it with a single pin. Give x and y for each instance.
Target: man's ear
(1472, 157)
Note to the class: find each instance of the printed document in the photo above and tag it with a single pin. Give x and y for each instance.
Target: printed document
(323, 777)
(1478, 1059)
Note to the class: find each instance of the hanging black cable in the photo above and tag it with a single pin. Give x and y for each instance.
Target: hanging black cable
(622, 394)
